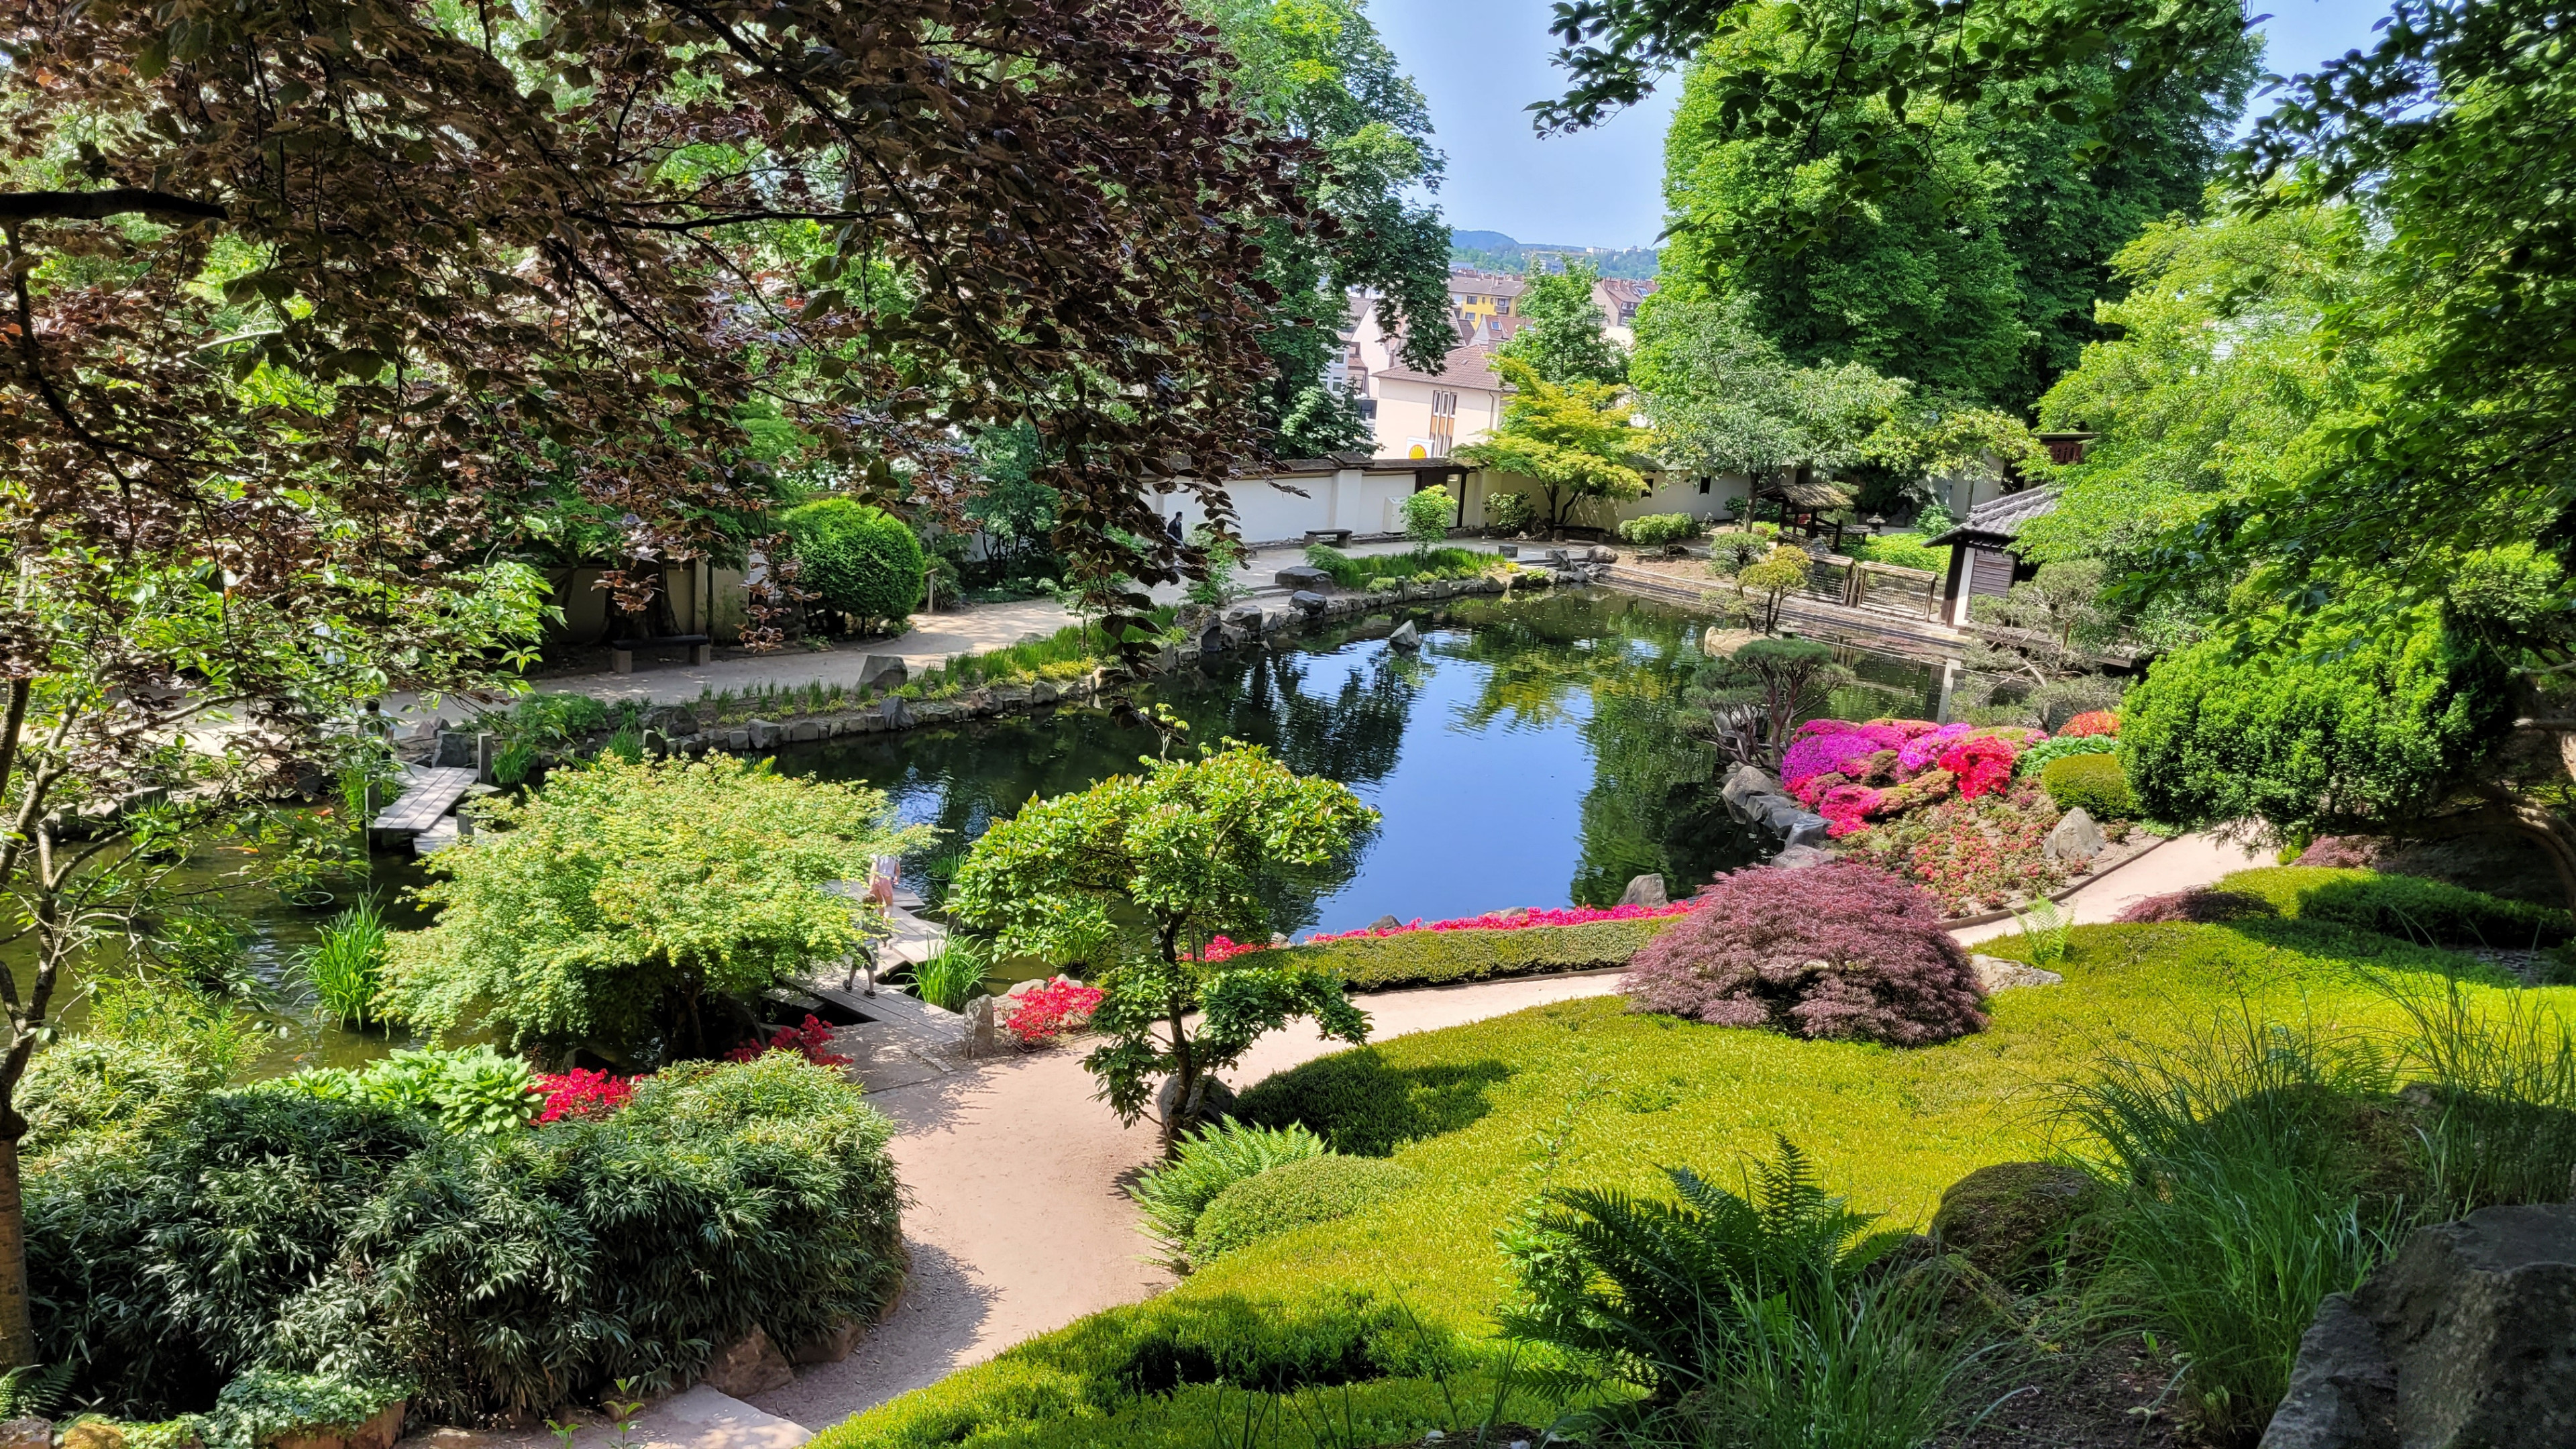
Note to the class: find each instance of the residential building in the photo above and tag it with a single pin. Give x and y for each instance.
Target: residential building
(1430, 415)
(1618, 298)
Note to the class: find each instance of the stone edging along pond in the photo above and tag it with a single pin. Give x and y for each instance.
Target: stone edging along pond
(674, 729)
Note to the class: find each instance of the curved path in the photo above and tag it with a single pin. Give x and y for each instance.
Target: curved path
(1020, 1223)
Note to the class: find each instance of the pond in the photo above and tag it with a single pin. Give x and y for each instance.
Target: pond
(1528, 760)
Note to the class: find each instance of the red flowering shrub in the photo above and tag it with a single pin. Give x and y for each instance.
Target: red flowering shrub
(2092, 722)
(1973, 854)
(813, 1040)
(2343, 852)
(2199, 906)
(1054, 1009)
(582, 1093)
(1832, 951)
(1983, 764)
(1846, 809)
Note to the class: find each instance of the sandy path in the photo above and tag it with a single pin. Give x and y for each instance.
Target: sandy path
(1020, 1223)
(2192, 860)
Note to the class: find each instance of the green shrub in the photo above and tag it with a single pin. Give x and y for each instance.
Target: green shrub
(1312, 1190)
(1656, 530)
(470, 1089)
(862, 561)
(93, 1093)
(264, 1405)
(162, 1271)
(498, 1275)
(1509, 512)
(1901, 550)
(1172, 1194)
(721, 1196)
(1426, 515)
(2030, 761)
(2405, 906)
(1357, 574)
(2096, 784)
(1433, 958)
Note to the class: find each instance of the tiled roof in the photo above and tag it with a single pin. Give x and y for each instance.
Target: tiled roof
(2000, 519)
(1465, 367)
(1486, 284)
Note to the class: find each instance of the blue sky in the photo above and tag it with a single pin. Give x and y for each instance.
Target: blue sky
(1481, 61)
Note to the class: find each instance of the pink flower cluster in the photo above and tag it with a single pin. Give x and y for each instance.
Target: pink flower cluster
(1845, 771)
(1828, 752)
(582, 1092)
(1923, 749)
(1052, 1010)
(1983, 764)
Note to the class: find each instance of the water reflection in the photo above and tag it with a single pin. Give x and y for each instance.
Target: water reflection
(1525, 757)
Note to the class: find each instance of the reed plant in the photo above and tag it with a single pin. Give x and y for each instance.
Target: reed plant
(954, 975)
(347, 965)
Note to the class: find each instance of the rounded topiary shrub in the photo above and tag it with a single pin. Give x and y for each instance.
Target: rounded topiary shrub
(1313, 1190)
(858, 560)
(2095, 784)
(1832, 951)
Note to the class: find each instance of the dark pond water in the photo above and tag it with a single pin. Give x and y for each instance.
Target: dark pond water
(1524, 757)
(1528, 760)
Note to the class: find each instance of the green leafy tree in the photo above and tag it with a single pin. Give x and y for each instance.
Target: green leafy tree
(1777, 680)
(1319, 72)
(1145, 870)
(624, 904)
(1575, 440)
(1562, 339)
(1726, 399)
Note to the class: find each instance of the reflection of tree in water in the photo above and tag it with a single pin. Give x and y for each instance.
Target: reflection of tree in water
(1652, 807)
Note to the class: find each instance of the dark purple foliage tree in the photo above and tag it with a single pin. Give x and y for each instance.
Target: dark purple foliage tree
(1833, 951)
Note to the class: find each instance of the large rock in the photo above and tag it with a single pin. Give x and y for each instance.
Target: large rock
(831, 1345)
(1245, 616)
(2008, 1218)
(763, 734)
(2466, 1339)
(883, 671)
(1302, 576)
(1645, 890)
(1307, 602)
(980, 1038)
(1405, 636)
(896, 712)
(1802, 828)
(749, 1365)
(1799, 857)
(1994, 974)
(2075, 839)
(1210, 1101)
(1742, 784)
(26, 1434)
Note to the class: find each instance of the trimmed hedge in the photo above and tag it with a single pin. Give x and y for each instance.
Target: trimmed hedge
(863, 561)
(1292, 1195)
(2408, 907)
(2096, 784)
(1435, 958)
(2058, 747)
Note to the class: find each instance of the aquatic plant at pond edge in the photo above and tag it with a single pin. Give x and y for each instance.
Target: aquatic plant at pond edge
(347, 966)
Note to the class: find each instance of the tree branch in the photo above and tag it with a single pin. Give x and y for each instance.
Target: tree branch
(96, 205)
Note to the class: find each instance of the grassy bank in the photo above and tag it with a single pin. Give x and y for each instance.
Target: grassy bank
(1384, 1314)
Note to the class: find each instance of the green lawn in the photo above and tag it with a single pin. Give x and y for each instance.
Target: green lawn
(1489, 1115)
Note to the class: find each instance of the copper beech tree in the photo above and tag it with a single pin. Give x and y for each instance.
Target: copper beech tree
(317, 312)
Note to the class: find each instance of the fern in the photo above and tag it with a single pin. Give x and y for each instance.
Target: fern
(1206, 1163)
(1663, 1295)
(34, 1391)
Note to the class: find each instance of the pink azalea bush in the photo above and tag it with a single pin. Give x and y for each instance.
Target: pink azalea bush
(1838, 951)
(1846, 808)
(1923, 749)
(1982, 762)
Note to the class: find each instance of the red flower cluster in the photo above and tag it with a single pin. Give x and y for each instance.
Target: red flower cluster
(2092, 722)
(582, 1092)
(1052, 1010)
(1846, 808)
(1983, 764)
(813, 1040)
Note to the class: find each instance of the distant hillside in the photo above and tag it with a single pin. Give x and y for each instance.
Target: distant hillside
(1496, 252)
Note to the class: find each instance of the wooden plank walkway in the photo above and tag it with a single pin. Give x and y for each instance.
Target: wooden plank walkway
(432, 793)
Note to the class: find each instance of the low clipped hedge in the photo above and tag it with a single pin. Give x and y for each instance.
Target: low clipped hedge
(1436, 958)
(1292, 1195)
(2096, 784)
(2408, 907)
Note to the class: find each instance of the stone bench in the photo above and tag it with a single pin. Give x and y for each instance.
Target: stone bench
(621, 652)
(1337, 537)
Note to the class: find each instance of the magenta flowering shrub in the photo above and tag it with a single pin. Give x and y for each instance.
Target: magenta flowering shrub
(1982, 762)
(1924, 749)
(1846, 808)
(1838, 951)
(1835, 751)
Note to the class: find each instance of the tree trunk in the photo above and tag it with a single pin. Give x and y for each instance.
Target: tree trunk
(17, 1324)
